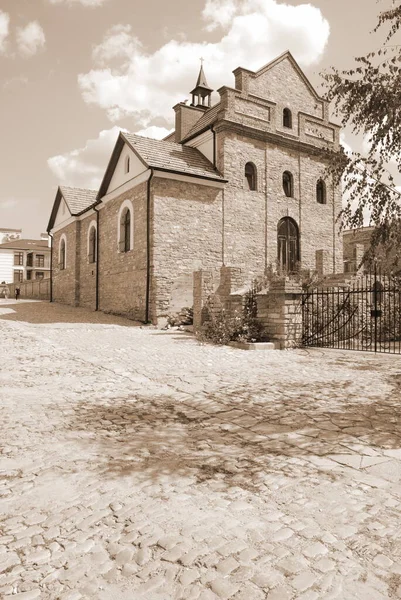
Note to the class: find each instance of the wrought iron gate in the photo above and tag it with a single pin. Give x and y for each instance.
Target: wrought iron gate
(365, 315)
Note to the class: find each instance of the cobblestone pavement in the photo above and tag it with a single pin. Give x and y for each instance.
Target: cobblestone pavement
(138, 464)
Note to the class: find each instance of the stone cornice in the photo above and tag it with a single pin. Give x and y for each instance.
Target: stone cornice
(268, 136)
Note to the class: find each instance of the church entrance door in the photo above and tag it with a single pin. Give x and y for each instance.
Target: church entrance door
(287, 244)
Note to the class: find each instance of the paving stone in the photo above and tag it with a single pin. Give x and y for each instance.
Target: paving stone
(292, 564)
(380, 560)
(325, 565)
(280, 593)
(316, 549)
(224, 588)
(8, 561)
(189, 576)
(282, 534)
(303, 581)
(227, 565)
(29, 595)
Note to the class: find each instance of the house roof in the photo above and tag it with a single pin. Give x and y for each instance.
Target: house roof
(26, 245)
(208, 118)
(163, 156)
(78, 199)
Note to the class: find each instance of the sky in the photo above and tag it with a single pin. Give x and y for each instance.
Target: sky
(75, 72)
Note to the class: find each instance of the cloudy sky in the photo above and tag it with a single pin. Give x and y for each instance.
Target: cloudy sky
(73, 72)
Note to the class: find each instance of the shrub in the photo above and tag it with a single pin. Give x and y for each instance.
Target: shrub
(222, 327)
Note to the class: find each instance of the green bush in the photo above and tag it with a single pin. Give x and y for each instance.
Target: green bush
(221, 327)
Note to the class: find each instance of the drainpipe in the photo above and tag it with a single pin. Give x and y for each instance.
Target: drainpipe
(147, 292)
(214, 145)
(51, 267)
(97, 259)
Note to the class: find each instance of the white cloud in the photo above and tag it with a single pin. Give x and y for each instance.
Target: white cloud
(85, 167)
(90, 3)
(347, 148)
(30, 39)
(157, 133)
(4, 29)
(127, 81)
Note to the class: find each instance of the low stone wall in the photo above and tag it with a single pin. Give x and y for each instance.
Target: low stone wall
(279, 308)
(38, 289)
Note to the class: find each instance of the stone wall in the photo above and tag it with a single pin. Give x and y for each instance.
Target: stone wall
(122, 275)
(87, 270)
(38, 289)
(66, 281)
(251, 217)
(187, 236)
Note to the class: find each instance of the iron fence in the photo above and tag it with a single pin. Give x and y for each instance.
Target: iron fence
(364, 315)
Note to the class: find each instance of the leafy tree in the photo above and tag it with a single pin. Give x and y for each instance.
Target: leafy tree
(367, 98)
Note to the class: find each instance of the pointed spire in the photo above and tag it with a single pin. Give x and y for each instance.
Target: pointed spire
(201, 91)
(202, 78)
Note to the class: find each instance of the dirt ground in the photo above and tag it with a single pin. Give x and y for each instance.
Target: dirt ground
(137, 463)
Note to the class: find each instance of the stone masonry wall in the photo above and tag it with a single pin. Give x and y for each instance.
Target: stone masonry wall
(122, 275)
(251, 217)
(65, 282)
(87, 271)
(187, 236)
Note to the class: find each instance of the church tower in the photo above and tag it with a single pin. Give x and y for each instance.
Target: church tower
(201, 92)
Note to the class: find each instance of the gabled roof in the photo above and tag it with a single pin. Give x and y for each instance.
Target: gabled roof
(78, 201)
(163, 156)
(208, 118)
(26, 245)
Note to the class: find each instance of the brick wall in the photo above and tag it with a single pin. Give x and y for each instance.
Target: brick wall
(122, 275)
(66, 281)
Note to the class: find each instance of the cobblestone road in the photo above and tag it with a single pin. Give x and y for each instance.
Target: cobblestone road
(139, 464)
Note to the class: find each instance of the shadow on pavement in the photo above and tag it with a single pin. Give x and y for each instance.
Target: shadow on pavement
(241, 437)
(52, 312)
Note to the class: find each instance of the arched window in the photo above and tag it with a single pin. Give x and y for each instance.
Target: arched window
(92, 243)
(321, 192)
(250, 175)
(288, 184)
(287, 245)
(127, 164)
(287, 118)
(125, 227)
(62, 254)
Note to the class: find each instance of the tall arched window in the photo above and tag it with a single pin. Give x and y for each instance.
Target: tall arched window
(251, 176)
(92, 244)
(126, 227)
(288, 184)
(321, 192)
(287, 245)
(127, 164)
(287, 118)
(62, 256)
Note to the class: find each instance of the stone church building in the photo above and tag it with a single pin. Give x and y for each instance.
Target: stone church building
(240, 183)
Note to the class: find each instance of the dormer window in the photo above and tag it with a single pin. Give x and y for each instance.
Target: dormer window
(288, 184)
(287, 118)
(127, 164)
(250, 176)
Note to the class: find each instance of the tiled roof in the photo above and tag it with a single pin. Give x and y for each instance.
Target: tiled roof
(78, 199)
(209, 117)
(26, 245)
(174, 157)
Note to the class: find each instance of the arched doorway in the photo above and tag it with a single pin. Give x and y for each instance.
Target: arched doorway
(287, 244)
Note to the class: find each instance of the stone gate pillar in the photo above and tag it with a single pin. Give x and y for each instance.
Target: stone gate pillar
(280, 312)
